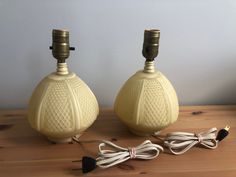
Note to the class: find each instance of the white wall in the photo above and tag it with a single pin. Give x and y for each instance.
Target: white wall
(197, 46)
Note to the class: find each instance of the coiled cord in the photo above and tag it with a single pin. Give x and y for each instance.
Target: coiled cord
(180, 142)
(117, 154)
(177, 142)
(107, 158)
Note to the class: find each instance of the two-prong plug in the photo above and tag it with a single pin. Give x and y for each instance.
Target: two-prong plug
(88, 164)
(223, 133)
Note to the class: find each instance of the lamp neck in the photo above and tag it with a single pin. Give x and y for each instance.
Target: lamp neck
(62, 69)
(149, 67)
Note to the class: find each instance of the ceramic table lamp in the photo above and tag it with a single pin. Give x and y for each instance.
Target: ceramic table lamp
(147, 102)
(62, 105)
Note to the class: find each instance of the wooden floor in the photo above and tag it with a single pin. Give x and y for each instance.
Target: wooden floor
(24, 152)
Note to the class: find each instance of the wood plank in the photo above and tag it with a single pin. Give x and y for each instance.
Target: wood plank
(24, 152)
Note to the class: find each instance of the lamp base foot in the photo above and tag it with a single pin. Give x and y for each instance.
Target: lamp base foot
(63, 140)
(139, 133)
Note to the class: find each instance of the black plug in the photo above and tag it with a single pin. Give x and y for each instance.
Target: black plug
(88, 164)
(223, 133)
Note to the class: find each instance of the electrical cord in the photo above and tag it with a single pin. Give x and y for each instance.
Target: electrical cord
(107, 158)
(117, 154)
(180, 142)
(177, 142)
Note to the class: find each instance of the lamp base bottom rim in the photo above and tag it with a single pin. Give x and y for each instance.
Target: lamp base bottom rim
(63, 140)
(139, 133)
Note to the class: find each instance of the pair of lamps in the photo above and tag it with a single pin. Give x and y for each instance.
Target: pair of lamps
(62, 105)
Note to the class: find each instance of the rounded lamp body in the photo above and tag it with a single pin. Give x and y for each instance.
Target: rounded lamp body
(147, 103)
(62, 106)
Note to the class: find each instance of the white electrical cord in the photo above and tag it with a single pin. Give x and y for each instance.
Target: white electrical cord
(177, 142)
(107, 158)
(180, 142)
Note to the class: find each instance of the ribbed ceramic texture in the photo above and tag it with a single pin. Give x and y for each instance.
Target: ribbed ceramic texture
(62, 106)
(147, 103)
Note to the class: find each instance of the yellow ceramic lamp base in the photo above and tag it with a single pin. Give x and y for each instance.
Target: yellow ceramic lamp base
(62, 106)
(147, 102)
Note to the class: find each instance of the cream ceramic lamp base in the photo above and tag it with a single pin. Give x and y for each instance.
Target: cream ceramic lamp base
(147, 102)
(62, 106)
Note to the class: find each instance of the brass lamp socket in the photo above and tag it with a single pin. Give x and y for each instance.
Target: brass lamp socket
(60, 45)
(151, 44)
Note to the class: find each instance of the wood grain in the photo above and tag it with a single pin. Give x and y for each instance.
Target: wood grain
(24, 152)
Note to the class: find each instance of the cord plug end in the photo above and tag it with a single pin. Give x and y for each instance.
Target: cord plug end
(223, 133)
(227, 127)
(88, 164)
